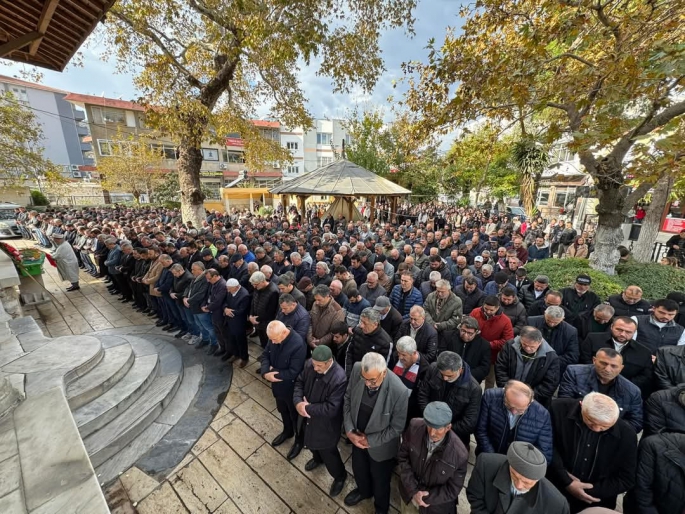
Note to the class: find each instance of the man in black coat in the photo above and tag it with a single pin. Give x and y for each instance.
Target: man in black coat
(596, 320)
(531, 293)
(282, 362)
(629, 302)
(561, 336)
(595, 452)
(669, 367)
(367, 337)
(529, 359)
(318, 397)
(264, 305)
(665, 411)
(471, 347)
(637, 359)
(236, 310)
(238, 269)
(471, 296)
(391, 319)
(449, 380)
(578, 298)
(423, 333)
(215, 306)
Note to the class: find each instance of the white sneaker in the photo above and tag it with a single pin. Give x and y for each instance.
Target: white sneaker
(194, 339)
(187, 336)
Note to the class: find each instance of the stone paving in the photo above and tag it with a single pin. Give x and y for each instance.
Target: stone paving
(232, 468)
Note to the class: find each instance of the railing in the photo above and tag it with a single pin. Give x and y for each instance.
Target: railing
(659, 251)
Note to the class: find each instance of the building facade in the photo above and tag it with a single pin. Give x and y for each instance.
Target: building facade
(64, 126)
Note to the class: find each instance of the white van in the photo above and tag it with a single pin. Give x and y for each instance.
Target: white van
(8, 224)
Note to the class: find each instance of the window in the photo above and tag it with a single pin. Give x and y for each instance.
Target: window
(323, 161)
(141, 121)
(292, 170)
(348, 140)
(210, 154)
(563, 196)
(105, 147)
(20, 94)
(543, 197)
(291, 145)
(323, 138)
(232, 157)
(101, 115)
(560, 153)
(212, 189)
(169, 151)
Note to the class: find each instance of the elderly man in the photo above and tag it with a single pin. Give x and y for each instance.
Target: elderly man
(596, 320)
(531, 360)
(449, 380)
(321, 274)
(236, 310)
(659, 328)
(318, 397)
(391, 319)
(282, 362)
(427, 287)
(604, 376)
(67, 264)
(423, 333)
(375, 411)
(561, 336)
(264, 305)
(410, 366)
(637, 359)
(512, 414)
(432, 463)
(531, 293)
(339, 297)
(385, 280)
(595, 452)
(579, 298)
(514, 483)
(369, 336)
(629, 302)
(404, 295)
(443, 308)
(371, 290)
(324, 314)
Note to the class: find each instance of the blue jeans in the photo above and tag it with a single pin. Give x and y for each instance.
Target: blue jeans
(174, 313)
(204, 320)
(189, 318)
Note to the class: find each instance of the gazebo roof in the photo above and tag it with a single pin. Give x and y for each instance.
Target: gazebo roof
(47, 33)
(341, 178)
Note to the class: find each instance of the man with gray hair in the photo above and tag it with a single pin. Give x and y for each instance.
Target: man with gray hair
(67, 264)
(408, 364)
(561, 336)
(367, 337)
(370, 290)
(595, 452)
(264, 305)
(322, 274)
(596, 320)
(423, 333)
(374, 414)
(428, 286)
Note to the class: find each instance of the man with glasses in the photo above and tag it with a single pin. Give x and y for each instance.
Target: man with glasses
(511, 414)
(374, 414)
(471, 347)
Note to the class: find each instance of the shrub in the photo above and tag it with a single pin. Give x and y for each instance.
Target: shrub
(655, 280)
(39, 198)
(562, 273)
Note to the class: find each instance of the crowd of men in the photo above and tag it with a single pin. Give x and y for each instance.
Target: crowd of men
(412, 339)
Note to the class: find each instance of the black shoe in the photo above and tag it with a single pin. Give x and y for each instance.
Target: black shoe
(125, 300)
(311, 465)
(145, 310)
(353, 498)
(160, 323)
(73, 288)
(294, 451)
(212, 350)
(201, 344)
(337, 486)
(180, 334)
(220, 353)
(230, 358)
(170, 328)
(280, 439)
(151, 314)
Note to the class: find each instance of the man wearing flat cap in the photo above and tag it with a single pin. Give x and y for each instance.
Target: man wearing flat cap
(67, 264)
(514, 483)
(579, 299)
(318, 397)
(432, 463)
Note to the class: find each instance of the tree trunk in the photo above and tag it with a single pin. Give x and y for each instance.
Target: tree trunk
(610, 212)
(526, 192)
(652, 221)
(189, 164)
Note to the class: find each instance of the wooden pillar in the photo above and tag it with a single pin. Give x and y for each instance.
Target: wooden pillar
(350, 206)
(372, 214)
(251, 203)
(393, 210)
(301, 199)
(285, 200)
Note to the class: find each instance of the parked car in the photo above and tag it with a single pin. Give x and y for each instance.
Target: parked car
(517, 211)
(8, 225)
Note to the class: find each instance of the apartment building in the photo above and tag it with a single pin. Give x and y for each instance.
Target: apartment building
(222, 164)
(64, 126)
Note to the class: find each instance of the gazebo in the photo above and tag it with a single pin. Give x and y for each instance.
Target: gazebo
(341, 178)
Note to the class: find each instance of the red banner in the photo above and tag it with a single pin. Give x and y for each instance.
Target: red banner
(234, 141)
(673, 225)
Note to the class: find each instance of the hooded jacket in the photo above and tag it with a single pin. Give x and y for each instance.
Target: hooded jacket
(542, 375)
(497, 330)
(470, 301)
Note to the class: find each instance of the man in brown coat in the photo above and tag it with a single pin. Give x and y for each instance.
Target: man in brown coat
(324, 314)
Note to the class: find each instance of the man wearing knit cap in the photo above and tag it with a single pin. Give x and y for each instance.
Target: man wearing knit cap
(514, 483)
(432, 463)
(67, 264)
(236, 308)
(318, 397)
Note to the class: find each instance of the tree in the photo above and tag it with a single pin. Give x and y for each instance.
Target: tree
(370, 143)
(207, 65)
(134, 167)
(531, 159)
(166, 191)
(21, 135)
(652, 220)
(605, 74)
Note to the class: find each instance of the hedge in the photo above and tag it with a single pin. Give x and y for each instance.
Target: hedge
(656, 280)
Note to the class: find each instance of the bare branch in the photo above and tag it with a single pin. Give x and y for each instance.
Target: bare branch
(601, 15)
(562, 107)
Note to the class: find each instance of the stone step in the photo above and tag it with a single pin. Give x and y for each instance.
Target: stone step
(109, 405)
(120, 431)
(114, 365)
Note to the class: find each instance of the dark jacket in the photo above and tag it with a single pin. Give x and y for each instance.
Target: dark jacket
(216, 299)
(299, 320)
(621, 308)
(563, 339)
(537, 254)
(578, 304)
(470, 301)
(463, 397)
(301, 271)
(165, 282)
(196, 293)
(516, 312)
(489, 491)
(669, 368)
(325, 395)
(637, 359)
(377, 341)
(442, 475)
(239, 273)
(240, 303)
(426, 339)
(653, 336)
(527, 295)
(392, 323)
(543, 376)
(660, 477)
(475, 353)
(359, 275)
(615, 461)
(585, 324)
(581, 379)
(493, 424)
(180, 284)
(288, 359)
(265, 305)
(663, 412)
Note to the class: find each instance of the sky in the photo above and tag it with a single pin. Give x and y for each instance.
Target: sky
(98, 77)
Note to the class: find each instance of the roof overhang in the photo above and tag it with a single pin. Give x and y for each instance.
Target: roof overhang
(47, 33)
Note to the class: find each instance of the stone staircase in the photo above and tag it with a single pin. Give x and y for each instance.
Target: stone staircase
(126, 391)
